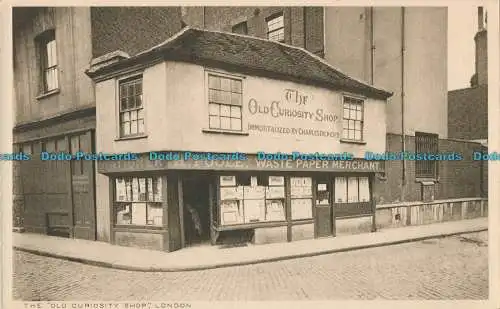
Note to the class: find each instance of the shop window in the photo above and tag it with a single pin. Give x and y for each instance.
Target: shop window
(276, 28)
(138, 201)
(260, 200)
(301, 194)
(225, 96)
(131, 107)
(428, 144)
(352, 127)
(47, 49)
(240, 28)
(352, 190)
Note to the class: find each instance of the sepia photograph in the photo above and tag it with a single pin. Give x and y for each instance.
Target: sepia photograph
(250, 153)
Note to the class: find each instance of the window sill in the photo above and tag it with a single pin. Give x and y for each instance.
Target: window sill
(350, 141)
(422, 179)
(48, 94)
(224, 132)
(132, 137)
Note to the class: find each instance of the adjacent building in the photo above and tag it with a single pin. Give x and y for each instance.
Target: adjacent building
(468, 107)
(55, 104)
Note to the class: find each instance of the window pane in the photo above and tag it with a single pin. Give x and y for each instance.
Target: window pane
(359, 115)
(345, 133)
(274, 210)
(236, 98)
(235, 112)
(214, 82)
(133, 127)
(352, 190)
(212, 95)
(225, 111)
(214, 122)
(346, 113)
(213, 109)
(225, 123)
(139, 213)
(357, 125)
(352, 114)
(126, 116)
(126, 128)
(140, 126)
(123, 105)
(140, 114)
(123, 214)
(301, 209)
(235, 124)
(225, 97)
(364, 189)
(357, 135)
(236, 86)
(133, 115)
(351, 134)
(340, 190)
(225, 84)
(155, 214)
(351, 124)
(138, 100)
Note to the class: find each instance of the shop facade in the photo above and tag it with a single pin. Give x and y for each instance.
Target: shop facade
(201, 123)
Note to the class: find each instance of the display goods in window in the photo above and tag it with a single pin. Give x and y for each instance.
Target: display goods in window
(275, 210)
(301, 209)
(254, 211)
(227, 181)
(230, 212)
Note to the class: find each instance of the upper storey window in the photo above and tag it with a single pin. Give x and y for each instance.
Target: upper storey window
(47, 48)
(276, 28)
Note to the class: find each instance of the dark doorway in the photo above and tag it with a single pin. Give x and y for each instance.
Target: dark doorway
(196, 209)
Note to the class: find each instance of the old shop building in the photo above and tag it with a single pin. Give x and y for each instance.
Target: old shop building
(213, 92)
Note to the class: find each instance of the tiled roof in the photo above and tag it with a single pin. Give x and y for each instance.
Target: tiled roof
(251, 55)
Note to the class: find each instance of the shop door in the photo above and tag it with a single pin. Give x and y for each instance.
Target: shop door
(323, 207)
(82, 184)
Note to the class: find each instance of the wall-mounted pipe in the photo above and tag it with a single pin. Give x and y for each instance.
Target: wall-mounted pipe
(372, 47)
(403, 145)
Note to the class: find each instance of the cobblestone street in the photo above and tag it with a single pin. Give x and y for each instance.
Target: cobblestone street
(447, 268)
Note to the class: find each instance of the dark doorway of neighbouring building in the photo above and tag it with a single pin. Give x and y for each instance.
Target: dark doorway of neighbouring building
(196, 209)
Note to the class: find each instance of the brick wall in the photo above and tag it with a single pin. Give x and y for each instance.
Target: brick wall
(303, 25)
(457, 179)
(132, 29)
(468, 113)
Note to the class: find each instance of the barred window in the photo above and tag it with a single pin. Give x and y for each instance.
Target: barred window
(353, 119)
(131, 107)
(426, 143)
(276, 28)
(225, 96)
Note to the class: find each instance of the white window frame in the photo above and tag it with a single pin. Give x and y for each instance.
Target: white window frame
(218, 73)
(344, 119)
(118, 110)
(48, 61)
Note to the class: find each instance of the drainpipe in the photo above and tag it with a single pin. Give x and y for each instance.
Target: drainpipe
(372, 48)
(403, 49)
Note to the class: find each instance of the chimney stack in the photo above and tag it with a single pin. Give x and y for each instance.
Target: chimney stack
(480, 39)
(480, 19)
